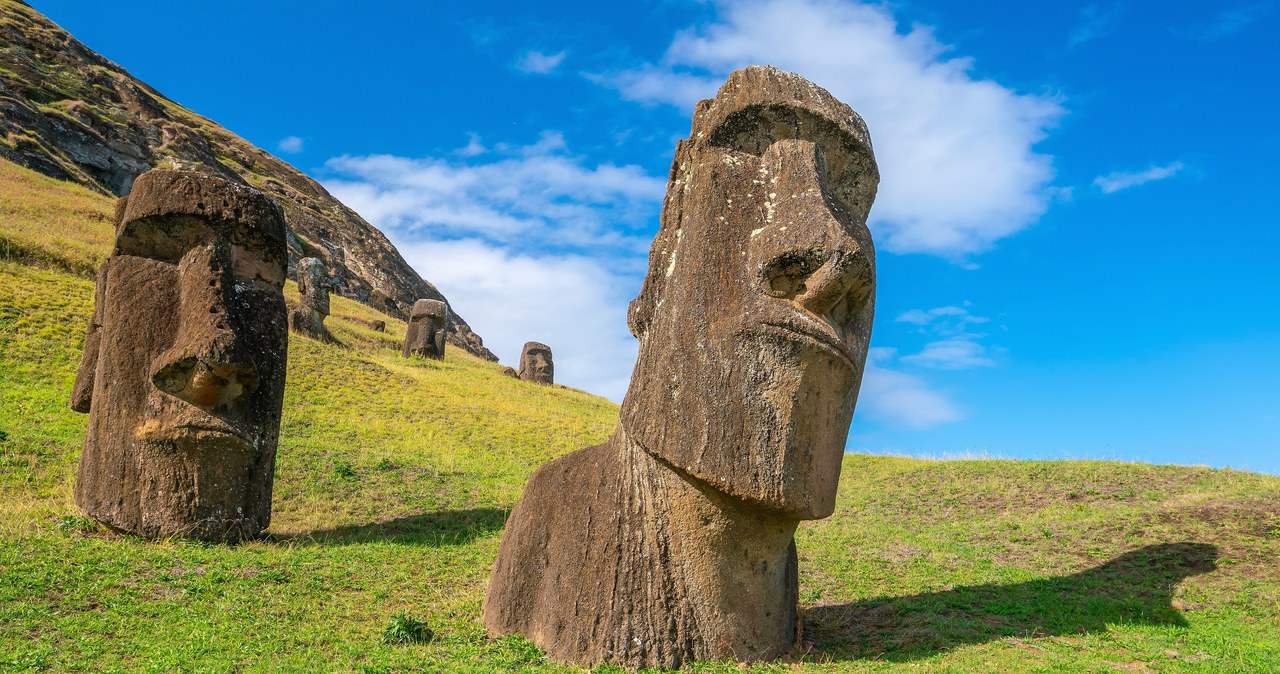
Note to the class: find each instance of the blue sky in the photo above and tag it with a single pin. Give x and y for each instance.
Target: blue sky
(1076, 228)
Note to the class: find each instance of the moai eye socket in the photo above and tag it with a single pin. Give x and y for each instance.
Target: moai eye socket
(784, 276)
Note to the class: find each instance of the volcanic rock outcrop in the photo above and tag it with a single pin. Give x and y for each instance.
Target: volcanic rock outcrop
(184, 362)
(425, 333)
(673, 541)
(313, 305)
(535, 363)
(69, 113)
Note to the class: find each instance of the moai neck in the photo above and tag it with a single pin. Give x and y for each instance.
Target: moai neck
(731, 563)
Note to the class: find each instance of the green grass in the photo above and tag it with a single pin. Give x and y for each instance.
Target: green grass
(395, 477)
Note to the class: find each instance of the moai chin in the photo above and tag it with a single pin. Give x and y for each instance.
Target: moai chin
(673, 541)
(184, 362)
(428, 323)
(313, 305)
(535, 363)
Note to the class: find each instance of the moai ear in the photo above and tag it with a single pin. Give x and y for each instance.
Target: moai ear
(82, 390)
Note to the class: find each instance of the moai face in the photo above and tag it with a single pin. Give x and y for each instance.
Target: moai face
(426, 333)
(184, 363)
(755, 316)
(535, 363)
(313, 285)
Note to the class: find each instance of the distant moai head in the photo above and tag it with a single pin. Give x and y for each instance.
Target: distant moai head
(378, 326)
(425, 335)
(184, 362)
(535, 363)
(755, 314)
(313, 285)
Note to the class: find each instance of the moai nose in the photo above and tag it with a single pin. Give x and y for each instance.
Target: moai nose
(208, 365)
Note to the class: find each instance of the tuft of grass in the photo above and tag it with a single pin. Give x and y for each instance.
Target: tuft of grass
(405, 629)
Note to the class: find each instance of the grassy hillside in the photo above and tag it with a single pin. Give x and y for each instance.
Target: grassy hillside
(395, 478)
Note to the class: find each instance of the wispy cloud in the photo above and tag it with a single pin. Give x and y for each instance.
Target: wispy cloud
(540, 63)
(290, 145)
(1228, 22)
(958, 348)
(528, 242)
(1095, 22)
(537, 194)
(901, 399)
(1122, 180)
(956, 152)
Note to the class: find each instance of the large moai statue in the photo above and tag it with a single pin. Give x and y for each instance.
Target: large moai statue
(428, 323)
(184, 362)
(313, 306)
(673, 541)
(535, 363)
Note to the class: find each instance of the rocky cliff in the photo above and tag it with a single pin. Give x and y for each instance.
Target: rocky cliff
(71, 114)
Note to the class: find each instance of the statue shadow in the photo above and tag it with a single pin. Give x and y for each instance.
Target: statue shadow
(436, 529)
(1134, 588)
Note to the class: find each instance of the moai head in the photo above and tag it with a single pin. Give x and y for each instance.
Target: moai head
(184, 362)
(755, 314)
(535, 363)
(313, 285)
(378, 326)
(427, 329)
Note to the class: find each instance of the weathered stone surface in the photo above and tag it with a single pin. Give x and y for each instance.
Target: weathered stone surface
(313, 305)
(378, 326)
(425, 334)
(510, 372)
(69, 113)
(184, 362)
(673, 541)
(535, 363)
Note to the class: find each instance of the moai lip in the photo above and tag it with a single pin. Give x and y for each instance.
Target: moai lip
(428, 324)
(184, 362)
(673, 541)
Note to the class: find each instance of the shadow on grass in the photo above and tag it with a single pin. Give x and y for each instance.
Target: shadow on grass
(438, 529)
(1135, 588)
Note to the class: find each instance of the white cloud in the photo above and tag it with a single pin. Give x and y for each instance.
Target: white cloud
(540, 63)
(902, 399)
(1095, 22)
(290, 145)
(570, 302)
(536, 195)
(473, 148)
(956, 152)
(956, 353)
(1114, 182)
(1231, 21)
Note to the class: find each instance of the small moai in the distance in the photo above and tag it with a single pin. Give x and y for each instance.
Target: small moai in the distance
(428, 323)
(313, 307)
(378, 326)
(535, 363)
(184, 362)
(510, 372)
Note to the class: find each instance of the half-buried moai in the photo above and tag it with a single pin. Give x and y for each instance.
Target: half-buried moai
(184, 362)
(535, 363)
(313, 306)
(428, 322)
(673, 541)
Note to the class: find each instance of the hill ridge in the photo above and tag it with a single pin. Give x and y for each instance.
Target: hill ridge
(72, 114)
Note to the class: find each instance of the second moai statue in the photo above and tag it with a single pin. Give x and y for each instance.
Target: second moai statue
(313, 306)
(674, 540)
(535, 363)
(184, 362)
(428, 325)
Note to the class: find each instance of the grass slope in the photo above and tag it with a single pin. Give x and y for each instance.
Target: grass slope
(395, 477)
